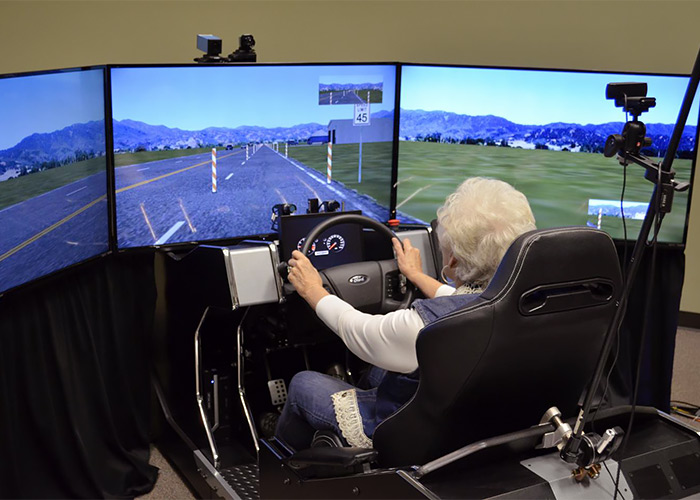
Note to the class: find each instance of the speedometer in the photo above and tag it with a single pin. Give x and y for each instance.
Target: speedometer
(335, 243)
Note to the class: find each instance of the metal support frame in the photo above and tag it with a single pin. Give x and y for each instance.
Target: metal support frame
(200, 399)
(241, 387)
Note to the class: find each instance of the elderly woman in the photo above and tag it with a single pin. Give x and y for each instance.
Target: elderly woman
(476, 225)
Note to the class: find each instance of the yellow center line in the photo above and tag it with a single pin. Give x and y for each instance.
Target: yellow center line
(50, 228)
(31, 240)
(208, 162)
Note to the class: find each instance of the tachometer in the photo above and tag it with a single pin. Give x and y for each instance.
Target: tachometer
(335, 243)
(311, 250)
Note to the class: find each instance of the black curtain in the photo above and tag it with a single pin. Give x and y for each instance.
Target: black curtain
(661, 317)
(74, 382)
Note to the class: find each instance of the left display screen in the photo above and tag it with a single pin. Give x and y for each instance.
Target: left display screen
(204, 152)
(53, 173)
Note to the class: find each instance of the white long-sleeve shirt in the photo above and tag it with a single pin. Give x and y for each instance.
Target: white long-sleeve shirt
(385, 340)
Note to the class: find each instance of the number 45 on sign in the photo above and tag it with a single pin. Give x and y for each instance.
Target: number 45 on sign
(361, 116)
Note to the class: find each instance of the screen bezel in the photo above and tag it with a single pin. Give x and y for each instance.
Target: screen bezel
(271, 235)
(63, 271)
(668, 244)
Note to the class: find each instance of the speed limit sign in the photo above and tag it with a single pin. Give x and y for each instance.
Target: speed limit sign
(361, 116)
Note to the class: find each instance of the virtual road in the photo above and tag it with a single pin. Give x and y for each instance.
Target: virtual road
(53, 230)
(158, 203)
(171, 201)
(340, 97)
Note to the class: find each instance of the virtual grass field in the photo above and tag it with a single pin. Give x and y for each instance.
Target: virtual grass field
(125, 159)
(16, 190)
(13, 191)
(558, 184)
(376, 166)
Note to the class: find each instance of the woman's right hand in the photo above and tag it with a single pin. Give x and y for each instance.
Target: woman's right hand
(408, 259)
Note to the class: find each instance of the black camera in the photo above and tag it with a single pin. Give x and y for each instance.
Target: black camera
(245, 51)
(211, 46)
(632, 97)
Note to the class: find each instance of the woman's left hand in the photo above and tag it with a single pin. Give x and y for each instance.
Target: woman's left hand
(305, 278)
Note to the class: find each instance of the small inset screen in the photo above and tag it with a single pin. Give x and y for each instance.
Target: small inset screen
(341, 244)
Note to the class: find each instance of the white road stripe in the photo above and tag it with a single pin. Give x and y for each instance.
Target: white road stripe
(170, 232)
(142, 169)
(73, 192)
(317, 179)
(228, 176)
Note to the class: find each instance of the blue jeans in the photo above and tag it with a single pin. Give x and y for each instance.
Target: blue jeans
(309, 407)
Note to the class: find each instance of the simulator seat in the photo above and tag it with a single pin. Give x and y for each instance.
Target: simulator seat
(529, 342)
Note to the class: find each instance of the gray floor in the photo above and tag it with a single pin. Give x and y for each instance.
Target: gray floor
(685, 387)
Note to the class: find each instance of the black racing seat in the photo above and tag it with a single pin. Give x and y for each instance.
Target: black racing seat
(529, 342)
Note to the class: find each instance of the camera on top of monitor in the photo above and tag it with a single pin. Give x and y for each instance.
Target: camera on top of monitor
(245, 51)
(211, 46)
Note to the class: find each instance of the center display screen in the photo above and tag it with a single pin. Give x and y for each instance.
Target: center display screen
(205, 152)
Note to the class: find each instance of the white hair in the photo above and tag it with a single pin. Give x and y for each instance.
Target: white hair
(479, 221)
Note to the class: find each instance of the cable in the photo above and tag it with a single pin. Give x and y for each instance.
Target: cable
(624, 222)
(642, 340)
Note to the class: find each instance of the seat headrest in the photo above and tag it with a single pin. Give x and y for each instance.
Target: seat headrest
(557, 255)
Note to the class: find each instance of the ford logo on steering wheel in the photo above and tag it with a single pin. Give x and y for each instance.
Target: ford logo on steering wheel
(358, 279)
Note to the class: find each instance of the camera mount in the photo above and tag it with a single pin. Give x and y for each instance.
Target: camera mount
(576, 448)
(245, 51)
(632, 97)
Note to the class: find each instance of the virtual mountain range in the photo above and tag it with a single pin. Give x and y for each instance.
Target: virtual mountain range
(85, 140)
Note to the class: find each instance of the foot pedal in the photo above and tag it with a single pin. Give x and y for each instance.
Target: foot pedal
(278, 391)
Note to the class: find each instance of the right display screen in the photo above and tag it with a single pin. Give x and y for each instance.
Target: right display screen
(544, 133)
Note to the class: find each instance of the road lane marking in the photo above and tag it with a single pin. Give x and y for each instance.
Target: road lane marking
(279, 193)
(31, 240)
(404, 180)
(187, 217)
(309, 187)
(142, 169)
(73, 192)
(142, 183)
(320, 181)
(413, 194)
(229, 176)
(170, 232)
(148, 222)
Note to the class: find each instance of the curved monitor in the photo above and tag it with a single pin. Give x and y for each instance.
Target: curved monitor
(204, 152)
(53, 173)
(543, 132)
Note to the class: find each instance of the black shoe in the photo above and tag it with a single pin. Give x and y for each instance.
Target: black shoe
(268, 423)
(327, 439)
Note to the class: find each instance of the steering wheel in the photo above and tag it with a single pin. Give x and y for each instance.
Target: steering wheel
(370, 285)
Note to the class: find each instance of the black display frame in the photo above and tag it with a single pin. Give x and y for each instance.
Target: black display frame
(272, 235)
(111, 235)
(112, 230)
(632, 170)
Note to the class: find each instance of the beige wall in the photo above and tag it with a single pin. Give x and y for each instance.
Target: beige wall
(618, 35)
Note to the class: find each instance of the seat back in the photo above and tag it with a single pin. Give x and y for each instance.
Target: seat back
(529, 342)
